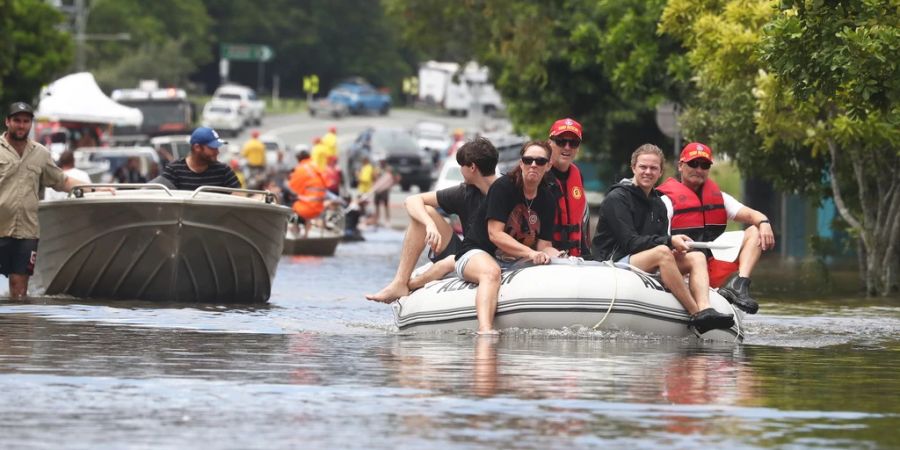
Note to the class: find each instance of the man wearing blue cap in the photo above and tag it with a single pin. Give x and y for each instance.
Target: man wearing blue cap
(201, 167)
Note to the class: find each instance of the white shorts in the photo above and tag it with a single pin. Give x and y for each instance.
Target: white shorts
(463, 259)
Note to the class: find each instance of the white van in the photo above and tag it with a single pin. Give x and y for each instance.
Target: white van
(250, 106)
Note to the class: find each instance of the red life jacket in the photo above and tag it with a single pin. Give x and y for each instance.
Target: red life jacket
(702, 218)
(567, 232)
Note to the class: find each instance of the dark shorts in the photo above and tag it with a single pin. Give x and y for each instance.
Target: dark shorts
(17, 256)
(453, 248)
(381, 198)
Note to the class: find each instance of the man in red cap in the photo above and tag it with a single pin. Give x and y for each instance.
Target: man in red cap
(571, 213)
(697, 208)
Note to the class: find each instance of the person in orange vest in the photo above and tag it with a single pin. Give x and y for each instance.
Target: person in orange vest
(308, 184)
(697, 208)
(569, 232)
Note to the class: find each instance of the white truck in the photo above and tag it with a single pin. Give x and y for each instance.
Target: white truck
(251, 107)
(458, 90)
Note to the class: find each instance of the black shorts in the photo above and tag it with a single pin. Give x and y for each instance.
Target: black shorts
(382, 197)
(453, 248)
(17, 256)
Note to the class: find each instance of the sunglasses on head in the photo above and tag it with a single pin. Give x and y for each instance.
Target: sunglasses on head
(539, 160)
(573, 143)
(695, 163)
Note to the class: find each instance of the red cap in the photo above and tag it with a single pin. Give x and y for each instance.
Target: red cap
(696, 150)
(563, 125)
(254, 133)
(332, 129)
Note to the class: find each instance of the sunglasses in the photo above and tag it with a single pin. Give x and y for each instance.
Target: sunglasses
(539, 160)
(695, 163)
(573, 143)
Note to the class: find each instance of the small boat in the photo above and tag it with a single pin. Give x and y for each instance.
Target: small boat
(564, 294)
(324, 235)
(148, 242)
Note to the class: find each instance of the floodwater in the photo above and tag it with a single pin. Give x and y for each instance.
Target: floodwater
(320, 367)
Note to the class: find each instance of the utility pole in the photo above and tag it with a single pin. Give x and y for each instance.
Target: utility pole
(81, 14)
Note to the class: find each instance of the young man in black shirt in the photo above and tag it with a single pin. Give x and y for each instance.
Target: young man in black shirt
(515, 222)
(478, 161)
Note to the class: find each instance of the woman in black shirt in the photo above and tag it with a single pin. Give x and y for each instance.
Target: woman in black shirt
(515, 222)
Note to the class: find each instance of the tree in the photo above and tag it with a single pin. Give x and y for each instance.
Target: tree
(600, 62)
(169, 39)
(805, 97)
(33, 51)
(333, 39)
(833, 71)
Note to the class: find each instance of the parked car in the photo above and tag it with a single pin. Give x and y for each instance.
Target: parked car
(323, 107)
(397, 147)
(278, 153)
(171, 148)
(251, 107)
(508, 147)
(434, 138)
(224, 116)
(102, 162)
(360, 98)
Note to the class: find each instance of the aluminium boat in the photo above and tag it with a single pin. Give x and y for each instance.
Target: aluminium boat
(147, 242)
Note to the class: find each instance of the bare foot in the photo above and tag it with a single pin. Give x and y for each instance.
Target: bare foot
(487, 333)
(390, 293)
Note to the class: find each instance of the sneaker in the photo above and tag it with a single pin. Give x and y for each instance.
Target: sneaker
(710, 319)
(737, 291)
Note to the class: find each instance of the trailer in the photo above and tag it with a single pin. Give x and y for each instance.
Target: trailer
(457, 89)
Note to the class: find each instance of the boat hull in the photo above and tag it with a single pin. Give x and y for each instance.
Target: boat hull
(315, 246)
(564, 294)
(210, 248)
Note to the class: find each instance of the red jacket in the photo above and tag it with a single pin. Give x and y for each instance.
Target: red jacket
(568, 232)
(703, 217)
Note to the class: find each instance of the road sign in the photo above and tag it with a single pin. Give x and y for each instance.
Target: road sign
(246, 52)
(311, 84)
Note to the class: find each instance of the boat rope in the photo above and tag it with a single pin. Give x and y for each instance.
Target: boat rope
(612, 301)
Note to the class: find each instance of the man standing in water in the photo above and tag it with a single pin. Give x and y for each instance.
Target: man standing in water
(633, 229)
(477, 162)
(25, 167)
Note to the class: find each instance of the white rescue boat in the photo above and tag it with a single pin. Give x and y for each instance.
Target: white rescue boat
(568, 293)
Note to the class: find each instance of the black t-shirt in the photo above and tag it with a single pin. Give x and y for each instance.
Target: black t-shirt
(184, 179)
(463, 200)
(506, 202)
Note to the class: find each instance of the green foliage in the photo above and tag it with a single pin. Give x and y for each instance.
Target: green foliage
(600, 62)
(333, 39)
(33, 51)
(169, 39)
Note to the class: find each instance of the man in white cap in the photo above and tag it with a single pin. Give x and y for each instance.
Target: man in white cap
(25, 167)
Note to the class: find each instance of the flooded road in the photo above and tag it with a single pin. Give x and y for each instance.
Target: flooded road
(320, 367)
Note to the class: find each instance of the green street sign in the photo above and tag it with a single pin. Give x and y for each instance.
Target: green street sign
(246, 52)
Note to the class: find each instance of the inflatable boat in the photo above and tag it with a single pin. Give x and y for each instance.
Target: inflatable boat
(565, 293)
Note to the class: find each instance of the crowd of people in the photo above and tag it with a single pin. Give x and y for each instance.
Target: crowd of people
(536, 212)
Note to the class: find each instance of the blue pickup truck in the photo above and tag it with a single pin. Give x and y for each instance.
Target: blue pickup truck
(360, 98)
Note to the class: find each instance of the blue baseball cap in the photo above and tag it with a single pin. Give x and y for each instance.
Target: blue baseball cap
(206, 136)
